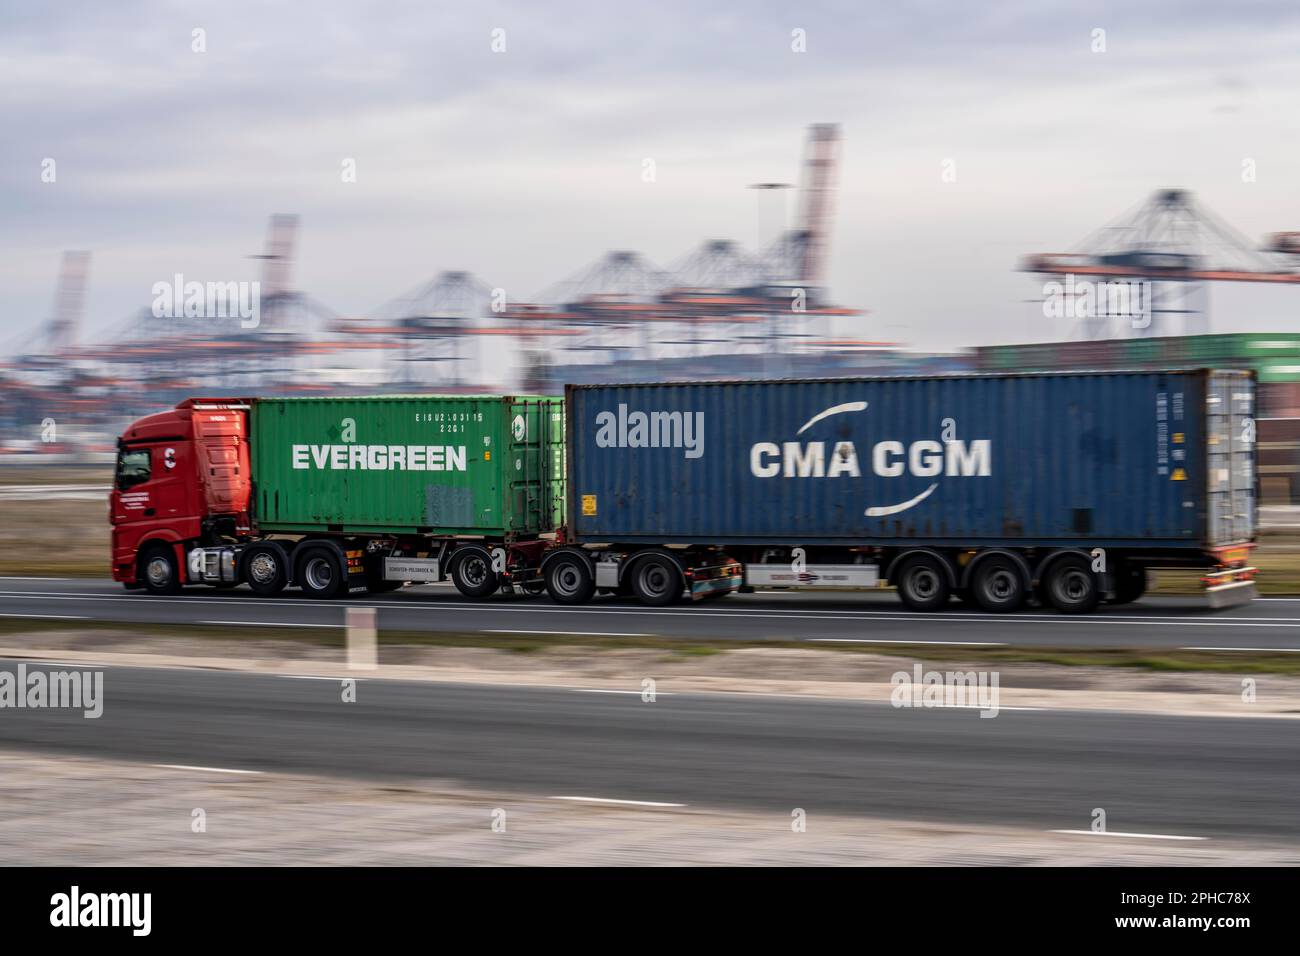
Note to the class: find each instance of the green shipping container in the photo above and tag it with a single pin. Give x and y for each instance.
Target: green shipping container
(489, 465)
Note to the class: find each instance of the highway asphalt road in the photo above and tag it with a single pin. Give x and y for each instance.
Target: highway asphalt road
(1264, 624)
(1156, 775)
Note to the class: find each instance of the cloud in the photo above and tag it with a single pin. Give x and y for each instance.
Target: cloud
(524, 165)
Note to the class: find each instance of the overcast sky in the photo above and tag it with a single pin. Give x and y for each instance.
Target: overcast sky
(524, 166)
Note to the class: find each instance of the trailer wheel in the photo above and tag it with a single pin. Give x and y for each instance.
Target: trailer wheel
(657, 581)
(473, 575)
(998, 585)
(569, 579)
(1071, 587)
(159, 571)
(1130, 584)
(922, 584)
(320, 574)
(266, 567)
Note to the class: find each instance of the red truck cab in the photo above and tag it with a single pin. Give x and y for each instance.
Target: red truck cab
(182, 479)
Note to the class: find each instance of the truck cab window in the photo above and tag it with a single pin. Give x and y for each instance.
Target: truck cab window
(132, 468)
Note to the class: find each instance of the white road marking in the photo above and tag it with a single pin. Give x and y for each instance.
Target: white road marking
(183, 766)
(1135, 836)
(999, 708)
(602, 690)
(78, 664)
(627, 803)
(314, 677)
(1269, 650)
(263, 624)
(50, 617)
(873, 640)
(572, 633)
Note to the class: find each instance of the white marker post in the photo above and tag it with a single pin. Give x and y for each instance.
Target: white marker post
(363, 638)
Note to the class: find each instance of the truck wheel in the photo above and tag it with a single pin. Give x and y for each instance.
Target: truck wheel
(569, 580)
(159, 571)
(473, 575)
(1071, 587)
(657, 581)
(266, 569)
(922, 584)
(320, 574)
(1130, 584)
(998, 586)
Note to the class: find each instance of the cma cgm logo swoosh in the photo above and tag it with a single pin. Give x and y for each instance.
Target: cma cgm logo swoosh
(948, 457)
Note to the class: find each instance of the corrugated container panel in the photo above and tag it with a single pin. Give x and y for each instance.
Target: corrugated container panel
(1023, 459)
(1203, 348)
(474, 465)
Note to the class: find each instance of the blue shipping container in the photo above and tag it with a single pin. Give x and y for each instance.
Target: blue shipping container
(1107, 459)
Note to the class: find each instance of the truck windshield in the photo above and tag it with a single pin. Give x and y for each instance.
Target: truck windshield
(132, 467)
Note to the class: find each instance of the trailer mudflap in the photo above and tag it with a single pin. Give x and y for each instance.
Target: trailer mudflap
(715, 580)
(1230, 587)
(1231, 595)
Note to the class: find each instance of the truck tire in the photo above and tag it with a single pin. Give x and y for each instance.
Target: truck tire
(657, 580)
(1130, 584)
(998, 585)
(1071, 587)
(266, 568)
(922, 583)
(320, 573)
(569, 579)
(473, 575)
(159, 571)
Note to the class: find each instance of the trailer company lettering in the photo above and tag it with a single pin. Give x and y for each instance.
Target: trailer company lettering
(651, 430)
(889, 459)
(926, 458)
(380, 457)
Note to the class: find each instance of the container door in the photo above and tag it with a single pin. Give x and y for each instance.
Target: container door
(1230, 482)
(536, 465)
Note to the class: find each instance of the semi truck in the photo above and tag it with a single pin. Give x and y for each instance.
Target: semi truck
(335, 494)
(994, 490)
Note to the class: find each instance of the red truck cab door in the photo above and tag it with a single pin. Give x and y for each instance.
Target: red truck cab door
(155, 483)
(129, 500)
(154, 497)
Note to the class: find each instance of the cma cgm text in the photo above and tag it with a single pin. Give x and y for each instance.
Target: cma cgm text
(889, 459)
